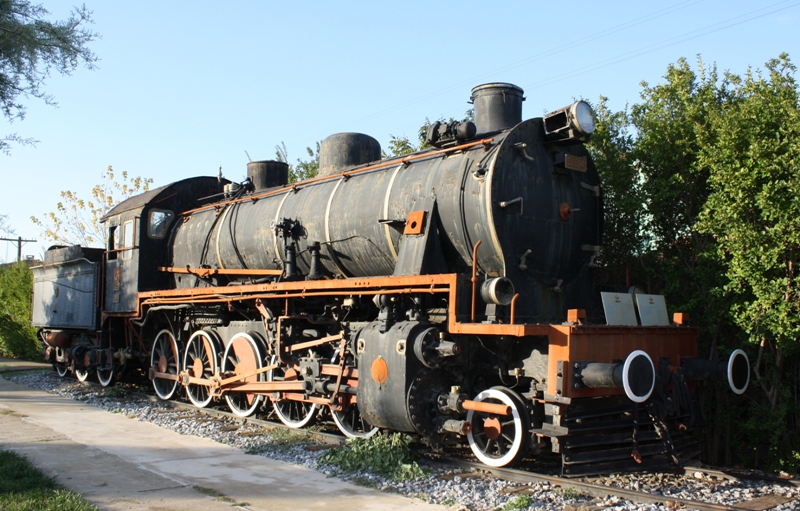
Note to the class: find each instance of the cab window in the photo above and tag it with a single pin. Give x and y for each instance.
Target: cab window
(158, 223)
(112, 242)
(128, 237)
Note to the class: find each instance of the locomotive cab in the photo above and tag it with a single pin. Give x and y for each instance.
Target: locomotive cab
(142, 225)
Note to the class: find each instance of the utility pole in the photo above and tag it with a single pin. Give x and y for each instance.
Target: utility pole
(19, 241)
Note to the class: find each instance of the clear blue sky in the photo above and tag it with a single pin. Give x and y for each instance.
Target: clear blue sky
(185, 87)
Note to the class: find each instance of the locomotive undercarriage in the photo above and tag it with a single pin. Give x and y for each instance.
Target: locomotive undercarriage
(82, 354)
(375, 359)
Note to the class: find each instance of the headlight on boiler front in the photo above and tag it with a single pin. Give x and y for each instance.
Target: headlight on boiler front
(570, 124)
(582, 117)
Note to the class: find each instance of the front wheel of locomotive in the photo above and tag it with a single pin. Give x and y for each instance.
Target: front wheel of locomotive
(500, 440)
(243, 356)
(295, 414)
(201, 362)
(165, 363)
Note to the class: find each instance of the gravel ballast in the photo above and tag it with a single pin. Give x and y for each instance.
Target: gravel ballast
(457, 489)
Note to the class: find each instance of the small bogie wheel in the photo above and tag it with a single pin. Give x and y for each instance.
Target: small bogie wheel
(81, 374)
(61, 369)
(106, 377)
(165, 359)
(295, 414)
(500, 440)
(242, 356)
(201, 362)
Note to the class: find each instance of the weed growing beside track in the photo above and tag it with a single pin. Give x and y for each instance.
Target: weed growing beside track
(386, 455)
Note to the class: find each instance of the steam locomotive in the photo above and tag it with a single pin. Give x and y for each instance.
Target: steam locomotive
(446, 293)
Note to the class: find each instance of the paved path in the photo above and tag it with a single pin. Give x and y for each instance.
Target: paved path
(123, 464)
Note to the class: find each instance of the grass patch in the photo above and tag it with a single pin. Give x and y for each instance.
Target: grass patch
(283, 440)
(568, 493)
(24, 487)
(116, 391)
(520, 502)
(11, 413)
(386, 455)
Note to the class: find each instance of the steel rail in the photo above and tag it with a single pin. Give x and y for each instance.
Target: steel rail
(734, 475)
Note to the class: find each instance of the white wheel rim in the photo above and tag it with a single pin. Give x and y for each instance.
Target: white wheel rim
(232, 405)
(62, 370)
(286, 419)
(105, 381)
(515, 445)
(347, 431)
(168, 387)
(340, 421)
(192, 389)
(82, 374)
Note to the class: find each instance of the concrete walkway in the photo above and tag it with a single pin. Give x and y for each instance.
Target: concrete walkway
(123, 464)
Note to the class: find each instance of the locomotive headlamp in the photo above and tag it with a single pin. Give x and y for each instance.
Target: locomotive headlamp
(571, 123)
(582, 117)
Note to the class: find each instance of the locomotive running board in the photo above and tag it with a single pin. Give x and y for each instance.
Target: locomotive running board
(418, 284)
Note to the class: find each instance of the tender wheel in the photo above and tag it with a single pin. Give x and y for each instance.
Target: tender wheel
(351, 424)
(498, 440)
(244, 355)
(165, 358)
(295, 414)
(106, 377)
(82, 374)
(61, 369)
(201, 362)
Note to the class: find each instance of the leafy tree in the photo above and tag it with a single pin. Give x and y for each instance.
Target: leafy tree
(754, 213)
(304, 169)
(714, 164)
(654, 189)
(77, 221)
(17, 336)
(624, 238)
(30, 49)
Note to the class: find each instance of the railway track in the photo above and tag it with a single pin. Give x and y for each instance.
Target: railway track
(601, 491)
(523, 479)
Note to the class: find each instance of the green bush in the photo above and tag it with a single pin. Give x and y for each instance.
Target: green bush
(17, 336)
